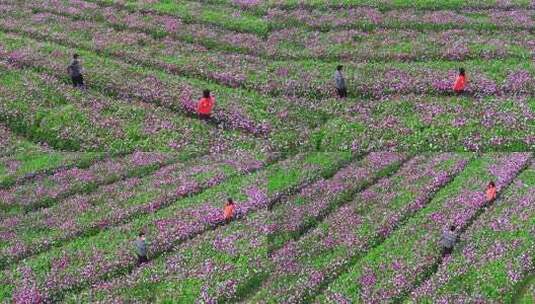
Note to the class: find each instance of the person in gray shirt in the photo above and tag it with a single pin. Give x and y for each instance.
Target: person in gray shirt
(340, 82)
(448, 240)
(141, 249)
(75, 71)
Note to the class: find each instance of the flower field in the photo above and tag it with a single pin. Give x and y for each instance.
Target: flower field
(338, 200)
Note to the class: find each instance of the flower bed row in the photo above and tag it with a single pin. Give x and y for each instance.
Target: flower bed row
(21, 160)
(306, 78)
(30, 162)
(85, 261)
(124, 126)
(28, 234)
(190, 11)
(47, 190)
(45, 109)
(301, 267)
(296, 43)
(429, 123)
(262, 24)
(10, 143)
(366, 17)
(494, 254)
(224, 264)
(391, 270)
(261, 6)
(393, 45)
(150, 86)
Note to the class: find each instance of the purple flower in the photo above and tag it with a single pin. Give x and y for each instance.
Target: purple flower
(368, 279)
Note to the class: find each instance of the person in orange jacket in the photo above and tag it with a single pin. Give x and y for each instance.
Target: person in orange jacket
(205, 105)
(229, 210)
(491, 192)
(460, 82)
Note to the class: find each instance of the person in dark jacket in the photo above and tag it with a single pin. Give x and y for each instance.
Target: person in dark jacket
(448, 240)
(75, 71)
(140, 245)
(340, 82)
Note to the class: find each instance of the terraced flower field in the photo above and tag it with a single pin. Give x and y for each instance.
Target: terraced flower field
(338, 200)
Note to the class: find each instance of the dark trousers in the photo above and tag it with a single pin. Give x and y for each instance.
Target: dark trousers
(206, 117)
(342, 93)
(222, 222)
(77, 81)
(446, 251)
(142, 259)
(210, 119)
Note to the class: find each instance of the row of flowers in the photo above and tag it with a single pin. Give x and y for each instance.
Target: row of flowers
(31, 233)
(11, 143)
(462, 130)
(301, 267)
(224, 262)
(94, 121)
(429, 123)
(83, 264)
(190, 11)
(363, 16)
(47, 189)
(294, 43)
(494, 255)
(261, 6)
(392, 269)
(21, 159)
(295, 78)
(233, 108)
(261, 23)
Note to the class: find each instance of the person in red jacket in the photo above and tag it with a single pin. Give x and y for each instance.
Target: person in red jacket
(229, 210)
(490, 193)
(460, 82)
(205, 105)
